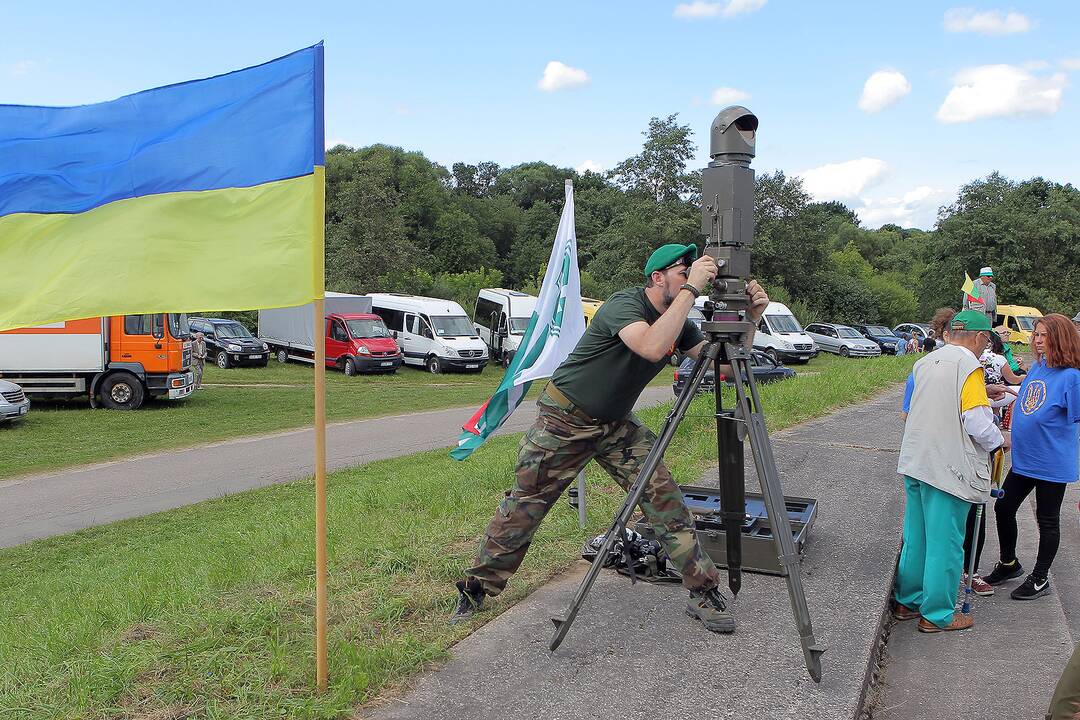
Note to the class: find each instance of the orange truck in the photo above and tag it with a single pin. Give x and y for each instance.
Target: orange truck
(117, 361)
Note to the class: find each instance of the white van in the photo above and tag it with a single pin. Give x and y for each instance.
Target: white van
(501, 318)
(432, 333)
(779, 334)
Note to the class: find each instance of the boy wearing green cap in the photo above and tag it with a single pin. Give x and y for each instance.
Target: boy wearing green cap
(585, 414)
(944, 458)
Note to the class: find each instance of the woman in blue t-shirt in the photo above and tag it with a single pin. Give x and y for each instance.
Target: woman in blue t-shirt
(1045, 446)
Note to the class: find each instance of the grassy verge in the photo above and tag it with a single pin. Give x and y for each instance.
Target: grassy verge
(206, 611)
(232, 403)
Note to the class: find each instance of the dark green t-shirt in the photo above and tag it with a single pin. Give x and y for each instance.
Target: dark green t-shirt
(604, 376)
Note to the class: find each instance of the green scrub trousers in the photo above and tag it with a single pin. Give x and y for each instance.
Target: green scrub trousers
(933, 555)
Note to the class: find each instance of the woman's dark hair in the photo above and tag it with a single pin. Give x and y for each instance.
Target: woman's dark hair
(940, 322)
(996, 345)
(1062, 341)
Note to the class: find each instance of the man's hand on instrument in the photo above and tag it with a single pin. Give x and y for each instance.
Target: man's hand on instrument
(702, 272)
(759, 300)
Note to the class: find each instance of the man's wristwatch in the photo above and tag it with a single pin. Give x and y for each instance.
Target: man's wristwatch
(693, 290)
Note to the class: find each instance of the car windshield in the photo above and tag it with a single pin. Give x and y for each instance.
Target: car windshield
(232, 331)
(846, 332)
(367, 328)
(519, 325)
(1026, 322)
(178, 326)
(452, 326)
(695, 316)
(878, 330)
(783, 323)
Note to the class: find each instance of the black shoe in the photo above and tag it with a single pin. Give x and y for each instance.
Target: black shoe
(712, 610)
(470, 598)
(1031, 588)
(1003, 572)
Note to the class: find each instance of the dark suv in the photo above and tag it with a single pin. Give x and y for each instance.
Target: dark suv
(885, 338)
(228, 343)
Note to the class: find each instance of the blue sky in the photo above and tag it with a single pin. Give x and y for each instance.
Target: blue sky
(960, 90)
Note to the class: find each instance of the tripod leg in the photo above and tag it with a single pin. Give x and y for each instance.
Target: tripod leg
(633, 496)
(775, 506)
(732, 474)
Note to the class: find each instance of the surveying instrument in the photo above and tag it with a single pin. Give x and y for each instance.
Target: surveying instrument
(727, 221)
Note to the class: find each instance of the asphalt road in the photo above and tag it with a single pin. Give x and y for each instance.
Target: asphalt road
(43, 505)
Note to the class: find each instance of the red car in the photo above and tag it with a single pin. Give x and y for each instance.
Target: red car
(360, 343)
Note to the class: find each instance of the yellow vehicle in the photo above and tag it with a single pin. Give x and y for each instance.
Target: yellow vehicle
(1019, 319)
(590, 306)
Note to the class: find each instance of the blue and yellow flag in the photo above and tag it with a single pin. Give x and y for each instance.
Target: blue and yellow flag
(205, 194)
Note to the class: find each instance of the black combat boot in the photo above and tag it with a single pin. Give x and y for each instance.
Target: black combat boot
(711, 608)
(470, 598)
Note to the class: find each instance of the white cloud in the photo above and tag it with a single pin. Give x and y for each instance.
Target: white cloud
(728, 96)
(989, 22)
(1000, 91)
(1070, 64)
(843, 181)
(882, 89)
(589, 166)
(915, 208)
(558, 76)
(700, 9)
(23, 67)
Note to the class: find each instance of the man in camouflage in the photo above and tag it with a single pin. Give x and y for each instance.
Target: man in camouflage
(585, 414)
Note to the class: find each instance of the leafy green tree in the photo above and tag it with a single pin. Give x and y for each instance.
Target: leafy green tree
(457, 245)
(659, 170)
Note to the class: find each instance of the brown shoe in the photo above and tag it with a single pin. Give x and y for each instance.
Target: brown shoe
(903, 612)
(959, 622)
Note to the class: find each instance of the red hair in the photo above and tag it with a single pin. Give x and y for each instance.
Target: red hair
(1062, 341)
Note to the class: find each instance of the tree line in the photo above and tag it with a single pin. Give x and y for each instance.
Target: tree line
(397, 221)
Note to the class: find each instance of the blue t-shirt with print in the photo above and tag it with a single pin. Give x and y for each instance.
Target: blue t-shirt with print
(909, 390)
(1046, 436)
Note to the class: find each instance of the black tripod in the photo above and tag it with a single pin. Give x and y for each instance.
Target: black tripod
(724, 347)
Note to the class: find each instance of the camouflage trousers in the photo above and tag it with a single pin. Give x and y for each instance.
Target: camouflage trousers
(553, 451)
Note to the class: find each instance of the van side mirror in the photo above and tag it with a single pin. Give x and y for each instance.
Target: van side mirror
(393, 334)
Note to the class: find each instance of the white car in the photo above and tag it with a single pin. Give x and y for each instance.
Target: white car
(13, 402)
(842, 340)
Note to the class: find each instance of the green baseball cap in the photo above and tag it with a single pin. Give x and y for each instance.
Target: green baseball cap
(668, 255)
(970, 320)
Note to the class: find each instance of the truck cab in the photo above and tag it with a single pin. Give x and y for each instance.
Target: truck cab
(360, 343)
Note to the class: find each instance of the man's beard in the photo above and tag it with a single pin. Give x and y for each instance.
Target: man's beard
(669, 296)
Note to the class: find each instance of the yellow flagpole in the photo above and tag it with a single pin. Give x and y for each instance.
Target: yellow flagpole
(321, 663)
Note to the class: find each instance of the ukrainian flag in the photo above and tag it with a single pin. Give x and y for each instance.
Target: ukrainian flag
(205, 194)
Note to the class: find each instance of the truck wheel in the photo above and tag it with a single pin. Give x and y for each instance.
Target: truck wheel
(434, 366)
(773, 355)
(223, 360)
(349, 367)
(505, 360)
(122, 391)
(282, 356)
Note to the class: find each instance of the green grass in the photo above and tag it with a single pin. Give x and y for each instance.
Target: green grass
(232, 403)
(207, 611)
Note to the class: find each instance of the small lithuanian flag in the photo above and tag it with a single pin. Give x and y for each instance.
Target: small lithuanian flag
(970, 288)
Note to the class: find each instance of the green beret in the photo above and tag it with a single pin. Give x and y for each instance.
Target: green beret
(970, 320)
(668, 255)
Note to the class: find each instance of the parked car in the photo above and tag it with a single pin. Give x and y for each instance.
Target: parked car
(780, 335)
(765, 369)
(501, 318)
(434, 334)
(1019, 319)
(842, 340)
(228, 343)
(13, 402)
(920, 330)
(889, 342)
